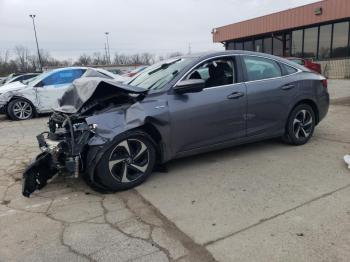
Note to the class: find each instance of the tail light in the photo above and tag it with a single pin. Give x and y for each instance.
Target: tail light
(325, 83)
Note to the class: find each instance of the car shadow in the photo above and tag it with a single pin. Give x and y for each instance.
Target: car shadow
(217, 155)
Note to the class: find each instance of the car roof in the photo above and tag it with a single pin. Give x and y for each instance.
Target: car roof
(67, 68)
(207, 55)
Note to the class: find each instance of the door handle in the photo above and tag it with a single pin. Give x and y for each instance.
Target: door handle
(288, 87)
(235, 95)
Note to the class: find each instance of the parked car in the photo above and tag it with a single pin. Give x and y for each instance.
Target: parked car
(308, 63)
(21, 78)
(115, 134)
(10, 76)
(2, 80)
(23, 100)
(116, 71)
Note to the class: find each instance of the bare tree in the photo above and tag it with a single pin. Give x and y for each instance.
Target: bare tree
(22, 54)
(83, 60)
(33, 62)
(99, 59)
(7, 66)
(4, 57)
(147, 59)
(161, 58)
(174, 54)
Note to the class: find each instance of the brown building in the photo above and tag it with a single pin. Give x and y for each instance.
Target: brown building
(318, 31)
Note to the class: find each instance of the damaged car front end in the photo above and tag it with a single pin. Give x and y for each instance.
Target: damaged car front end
(71, 130)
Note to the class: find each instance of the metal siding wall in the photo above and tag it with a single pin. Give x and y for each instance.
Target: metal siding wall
(297, 17)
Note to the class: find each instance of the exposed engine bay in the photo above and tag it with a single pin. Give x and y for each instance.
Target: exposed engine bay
(65, 145)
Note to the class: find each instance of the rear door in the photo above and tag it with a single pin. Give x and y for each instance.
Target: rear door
(271, 89)
(53, 87)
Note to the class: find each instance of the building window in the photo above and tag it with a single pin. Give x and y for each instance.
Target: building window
(310, 42)
(230, 46)
(248, 45)
(268, 45)
(297, 43)
(239, 46)
(278, 45)
(287, 45)
(340, 39)
(324, 49)
(258, 45)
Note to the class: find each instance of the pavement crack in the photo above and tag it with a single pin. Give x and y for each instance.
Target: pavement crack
(64, 226)
(193, 248)
(263, 220)
(149, 239)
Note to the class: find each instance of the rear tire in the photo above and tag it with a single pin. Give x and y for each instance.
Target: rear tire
(128, 162)
(20, 109)
(300, 126)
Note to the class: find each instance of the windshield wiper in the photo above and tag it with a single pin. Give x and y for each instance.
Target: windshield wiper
(164, 66)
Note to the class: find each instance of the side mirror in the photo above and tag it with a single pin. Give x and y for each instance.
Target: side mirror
(189, 86)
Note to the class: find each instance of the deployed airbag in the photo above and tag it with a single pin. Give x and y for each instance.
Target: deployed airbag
(88, 89)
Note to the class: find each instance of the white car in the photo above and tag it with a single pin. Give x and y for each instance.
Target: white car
(22, 77)
(21, 101)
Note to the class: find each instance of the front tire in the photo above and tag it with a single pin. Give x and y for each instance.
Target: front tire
(20, 109)
(128, 162)
(301, 125)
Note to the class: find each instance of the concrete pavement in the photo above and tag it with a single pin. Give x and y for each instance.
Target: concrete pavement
(67, 221)
(265, 201)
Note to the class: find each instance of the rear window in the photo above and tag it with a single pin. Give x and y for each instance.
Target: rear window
(288, 70)
(63, 77)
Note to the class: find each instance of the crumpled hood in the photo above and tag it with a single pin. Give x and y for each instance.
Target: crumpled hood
(12, 87)
(88, 89)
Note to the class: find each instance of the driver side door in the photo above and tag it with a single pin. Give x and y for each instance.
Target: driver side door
(52, 88)
(213, 116)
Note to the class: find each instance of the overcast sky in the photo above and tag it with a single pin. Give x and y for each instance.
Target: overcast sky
(67, 28)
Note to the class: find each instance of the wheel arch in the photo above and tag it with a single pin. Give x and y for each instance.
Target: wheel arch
(23, 98)
(154, 133)
(312, 104)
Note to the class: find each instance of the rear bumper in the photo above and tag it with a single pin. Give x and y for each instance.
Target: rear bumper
(323, 106)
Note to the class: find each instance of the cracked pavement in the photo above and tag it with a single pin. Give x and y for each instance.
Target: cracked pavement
(68, 221)
(261, 202)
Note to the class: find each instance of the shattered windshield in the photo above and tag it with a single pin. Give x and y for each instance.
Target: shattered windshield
(157, 75)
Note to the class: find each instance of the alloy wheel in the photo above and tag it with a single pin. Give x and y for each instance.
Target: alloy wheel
(22, 110)
(302, 124)
(129, 160)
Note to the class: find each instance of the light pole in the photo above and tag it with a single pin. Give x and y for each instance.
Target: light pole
(37, 45)
(109, 54)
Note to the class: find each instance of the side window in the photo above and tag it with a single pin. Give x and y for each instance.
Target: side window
(288, 70)
(217, 72)
(259, 68)
(63, 77)
(25, 77)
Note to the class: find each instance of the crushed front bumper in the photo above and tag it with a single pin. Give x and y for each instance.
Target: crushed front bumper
(38, 173)
(46, 165)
